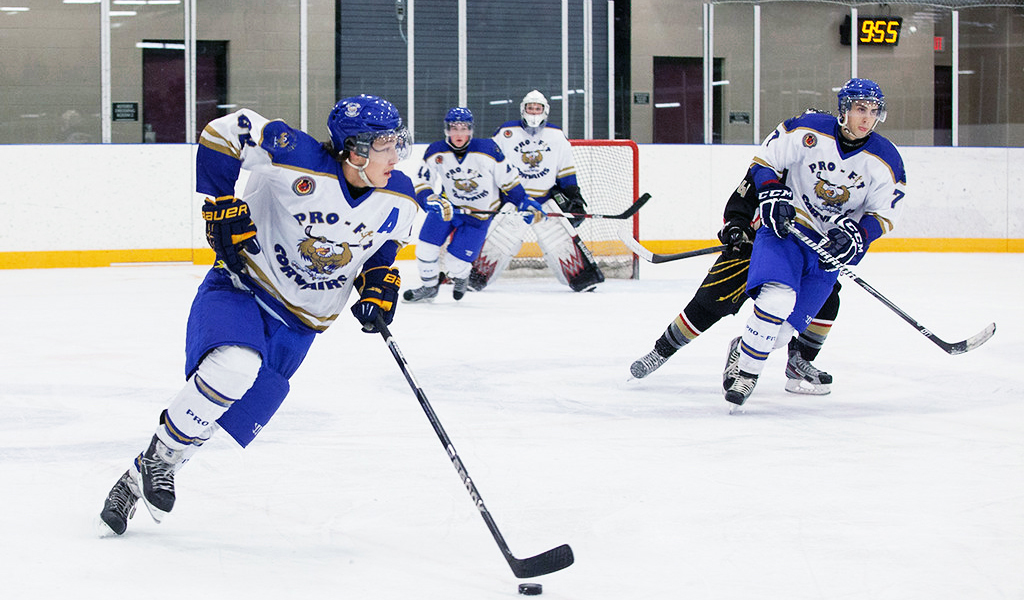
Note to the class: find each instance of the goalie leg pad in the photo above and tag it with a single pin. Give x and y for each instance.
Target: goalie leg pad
(565, 253)
(504, 238)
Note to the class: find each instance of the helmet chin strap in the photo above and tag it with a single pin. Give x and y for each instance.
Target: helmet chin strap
(362, 171)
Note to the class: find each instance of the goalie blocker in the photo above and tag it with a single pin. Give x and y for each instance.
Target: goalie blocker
(564, 252)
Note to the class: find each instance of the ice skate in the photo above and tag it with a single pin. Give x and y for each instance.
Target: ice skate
(804, 378)
(120, 504)
(155, 478)
(460, 287)
(741, 388)
(424, 294)
(731, 364)
(647, 364)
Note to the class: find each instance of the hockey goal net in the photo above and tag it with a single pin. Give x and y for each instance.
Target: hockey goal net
(608, 173)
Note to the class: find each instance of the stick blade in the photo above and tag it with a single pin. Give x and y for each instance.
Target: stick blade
(553, 560)
(974, 341)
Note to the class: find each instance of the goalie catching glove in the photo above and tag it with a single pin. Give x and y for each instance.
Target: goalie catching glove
(777, 212)
(228, 226)
(378, 295)
(844, 241)
(570, 200)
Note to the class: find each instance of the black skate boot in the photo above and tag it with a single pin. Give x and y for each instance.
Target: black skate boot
(120, 504)
(804, 378)
(460, 287)
(156, 477)
(424, 294)
(647, 364)
(741, 388)
(731, 364)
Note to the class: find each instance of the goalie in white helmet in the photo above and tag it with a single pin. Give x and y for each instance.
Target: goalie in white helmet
(542, 154)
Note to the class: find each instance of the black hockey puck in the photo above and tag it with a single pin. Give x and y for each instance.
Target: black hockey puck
(530, 589)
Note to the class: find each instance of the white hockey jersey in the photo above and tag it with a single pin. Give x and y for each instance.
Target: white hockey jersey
(314, 237)
(472, 182)
(543, 158)
(866, 184)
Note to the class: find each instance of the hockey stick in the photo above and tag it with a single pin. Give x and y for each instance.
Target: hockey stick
(656, 258)
(955, 348)
(553, 560)
(629, 212)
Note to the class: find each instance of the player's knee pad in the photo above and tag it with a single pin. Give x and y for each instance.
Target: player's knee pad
(427, 259)
(777, 299)
(223, 376)
(253, 411)
(456, 267)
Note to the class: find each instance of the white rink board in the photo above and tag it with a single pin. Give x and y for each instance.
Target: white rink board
(124, 197)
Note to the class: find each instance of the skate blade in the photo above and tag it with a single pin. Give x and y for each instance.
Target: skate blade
(799, 386)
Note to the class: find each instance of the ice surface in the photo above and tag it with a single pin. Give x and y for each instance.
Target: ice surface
(907, 482)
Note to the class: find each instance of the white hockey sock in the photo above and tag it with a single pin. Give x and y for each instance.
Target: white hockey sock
(224, 375)
(457, 268)
(774, 303)
(427, 260)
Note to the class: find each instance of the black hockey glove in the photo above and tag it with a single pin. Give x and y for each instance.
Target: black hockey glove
(378, 295)
(228, 226)
(570, 200)
(845, 243)
(737, 235)
(777, 212)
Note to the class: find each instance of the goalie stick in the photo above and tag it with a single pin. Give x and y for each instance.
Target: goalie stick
(553, 560)
(653, 257)
(955, 348)
(629, 212)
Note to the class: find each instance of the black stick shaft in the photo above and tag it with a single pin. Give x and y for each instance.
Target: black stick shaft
(542, 564)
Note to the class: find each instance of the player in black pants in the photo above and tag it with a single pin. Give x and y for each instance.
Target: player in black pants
(722, 294)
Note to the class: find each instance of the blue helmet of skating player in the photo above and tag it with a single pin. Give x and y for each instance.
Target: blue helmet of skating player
(357, 123)
(860, 89)
(458, 116)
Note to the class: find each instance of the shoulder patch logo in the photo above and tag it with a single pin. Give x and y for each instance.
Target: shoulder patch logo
(507, 133)
(810, 140)
(303, 186)
(439, 159)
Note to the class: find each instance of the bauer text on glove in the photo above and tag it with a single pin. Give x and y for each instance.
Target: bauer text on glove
(378, 295)
(229, 226)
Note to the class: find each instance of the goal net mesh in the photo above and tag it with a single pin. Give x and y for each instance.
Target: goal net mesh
(608, 175)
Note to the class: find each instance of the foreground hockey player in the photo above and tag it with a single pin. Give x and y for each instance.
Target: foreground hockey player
(315, 221)
(844, 187)
(723, 292)
(543, 155)
(470, 173)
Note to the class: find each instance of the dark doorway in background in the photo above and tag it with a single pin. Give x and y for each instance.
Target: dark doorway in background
(679, 100)
(943, 119)
(163, 88)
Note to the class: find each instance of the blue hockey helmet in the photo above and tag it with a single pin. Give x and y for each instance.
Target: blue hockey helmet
(359, 123)
(860, 89)
(459, 115)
